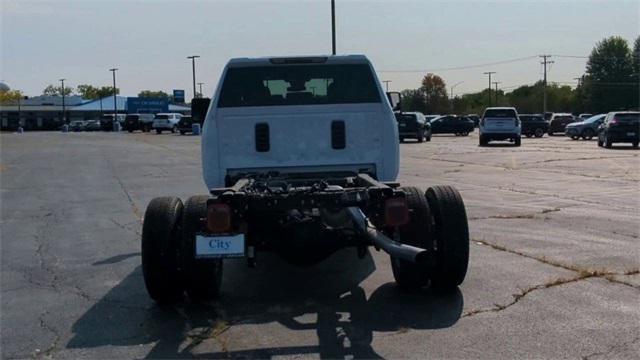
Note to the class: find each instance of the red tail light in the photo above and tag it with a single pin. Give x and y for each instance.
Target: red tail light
(396, 212)
(219, 218)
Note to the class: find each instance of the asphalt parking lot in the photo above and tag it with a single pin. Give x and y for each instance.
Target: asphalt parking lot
(554, 268)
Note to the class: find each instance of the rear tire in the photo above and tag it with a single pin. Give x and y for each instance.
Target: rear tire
(635, 144)
(483, 140)
(600, 142)
(203, 277)
(607, 142)
(410, 276)
(158, 131)
(160, 259)
(451, 235)
(538, 133)
(182, 132)
(517, 141)
(420, 136)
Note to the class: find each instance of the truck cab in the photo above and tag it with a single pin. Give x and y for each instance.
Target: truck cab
(299, 115)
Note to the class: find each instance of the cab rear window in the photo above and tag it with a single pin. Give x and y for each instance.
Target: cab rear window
(500, 113)
(298, 85)
(628, 117)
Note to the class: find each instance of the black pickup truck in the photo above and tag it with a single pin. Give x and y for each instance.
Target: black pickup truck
(533, 125)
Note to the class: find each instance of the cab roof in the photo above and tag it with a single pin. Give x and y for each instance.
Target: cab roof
(298, 60)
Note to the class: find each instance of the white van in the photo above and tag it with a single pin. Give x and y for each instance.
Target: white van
(500, 123)
(166, 121)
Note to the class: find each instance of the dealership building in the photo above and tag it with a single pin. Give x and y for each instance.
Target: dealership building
(47, 112)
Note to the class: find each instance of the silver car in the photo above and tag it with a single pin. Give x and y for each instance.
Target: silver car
(585, 129)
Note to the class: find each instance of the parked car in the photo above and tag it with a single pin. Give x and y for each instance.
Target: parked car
(475, 118)
(533, 125)
(166, 121)
(77, 125)
(185, 125)
(500, 123)
(585, 116)
(620, 126)
(106, 121)
(586, 129)
(413, 125)
(452, 124)
(559, 121)
(92, 125)
(142, 122)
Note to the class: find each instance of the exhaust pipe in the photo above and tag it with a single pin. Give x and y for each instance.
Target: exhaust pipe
(396, 249)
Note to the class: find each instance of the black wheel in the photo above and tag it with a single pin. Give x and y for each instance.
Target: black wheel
(550, 133)
(160, 256)
(607, 142)
(202, 277)
(130, 131)
(635, 144)
(588, 134)
(483, 140)
(420, 136)
(428, 137)
(465, 133)
(600, 143)
(401, 139)
(575, 137)
(517, 141)
(451, 236)
(182, 132)
(417, 232)
(538, 133)
(158, 131)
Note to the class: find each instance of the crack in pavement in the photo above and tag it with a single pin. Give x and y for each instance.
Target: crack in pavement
(611, 348)
(56, 337)
(582, 274)
(132, 203)
(520, 216)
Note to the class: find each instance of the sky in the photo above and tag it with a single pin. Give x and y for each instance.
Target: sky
(148, 41)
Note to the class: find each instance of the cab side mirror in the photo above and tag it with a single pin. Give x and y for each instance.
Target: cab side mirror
(395, 99)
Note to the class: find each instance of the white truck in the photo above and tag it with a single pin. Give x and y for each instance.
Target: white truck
(300, 156)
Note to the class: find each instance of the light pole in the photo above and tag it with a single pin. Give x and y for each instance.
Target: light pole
(386, 82)
(200, 85)
(489, 73)
(193, 69)
(496, 85)
(333, 27)
(115, 102)
(453, 87)
(64, 118)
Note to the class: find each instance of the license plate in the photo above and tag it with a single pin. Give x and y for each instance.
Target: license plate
(219, 246)
(631, 134)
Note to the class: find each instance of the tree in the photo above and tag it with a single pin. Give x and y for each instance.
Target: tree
(434, 91)
(9, 97)
(412, 100)
(636, 57)
(52, 90)
(611, 85)
(91, 92)
(153, 94)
